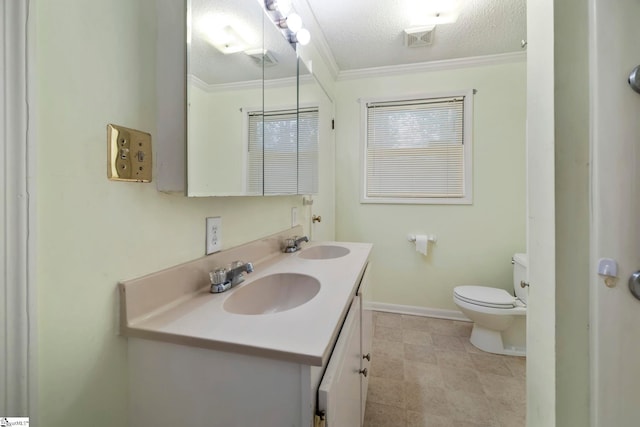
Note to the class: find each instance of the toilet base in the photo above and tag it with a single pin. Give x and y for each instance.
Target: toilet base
(491, 341)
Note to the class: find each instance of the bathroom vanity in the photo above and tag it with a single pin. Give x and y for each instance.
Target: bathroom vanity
(290, 346)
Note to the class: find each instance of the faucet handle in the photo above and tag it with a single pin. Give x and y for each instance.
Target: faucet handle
(218, 276)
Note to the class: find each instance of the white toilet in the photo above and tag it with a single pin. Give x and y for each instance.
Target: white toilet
(499, 317)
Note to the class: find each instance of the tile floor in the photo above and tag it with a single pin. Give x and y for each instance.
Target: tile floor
(426, 373)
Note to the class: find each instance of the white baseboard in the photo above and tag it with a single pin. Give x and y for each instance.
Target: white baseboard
(419, 311)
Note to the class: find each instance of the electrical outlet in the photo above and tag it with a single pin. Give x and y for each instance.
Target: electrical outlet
(214, 234)
(294, 216)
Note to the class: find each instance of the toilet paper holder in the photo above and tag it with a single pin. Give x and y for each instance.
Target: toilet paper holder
(430, 238)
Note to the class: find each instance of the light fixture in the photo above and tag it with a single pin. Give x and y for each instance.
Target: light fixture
(293, 22)
(282, 6)
(302, 37)
(227, 40)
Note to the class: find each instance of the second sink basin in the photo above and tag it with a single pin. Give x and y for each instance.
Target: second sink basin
(273, 294)
(324, 252)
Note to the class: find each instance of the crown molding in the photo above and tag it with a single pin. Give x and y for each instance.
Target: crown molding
(447, 64)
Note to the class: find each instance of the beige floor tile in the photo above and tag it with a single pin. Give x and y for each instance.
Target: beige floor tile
(418, 419)
(386, 391)
(445, 327)
(420, 353)
(426, 399)
(463, 328)
(510, 391)
(491, 364)
(388, 349)
(470, 407)
(381, 415)
(517, 366)
(383, 367)
(387, 334)
(448, 342)
(467, 423)
(423, 373)
(414, 336)
(389, 320)
(415, 322)
(470, 348)
(455, 359)
(461, 379)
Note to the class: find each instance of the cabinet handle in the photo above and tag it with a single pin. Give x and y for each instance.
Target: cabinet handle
(367, 356)
(364, 372)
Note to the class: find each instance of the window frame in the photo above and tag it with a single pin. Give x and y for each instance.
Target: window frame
(467, 139)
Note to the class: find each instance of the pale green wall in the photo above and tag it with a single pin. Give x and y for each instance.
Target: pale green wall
(572, 211)
(217, 143)
(475, 243)
(95, 65)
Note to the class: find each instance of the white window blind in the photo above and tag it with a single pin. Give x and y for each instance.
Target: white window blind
(282, 158)
(415, 149)
(308, 151)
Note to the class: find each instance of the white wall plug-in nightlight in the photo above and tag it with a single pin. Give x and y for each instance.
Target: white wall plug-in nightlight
(608, 268)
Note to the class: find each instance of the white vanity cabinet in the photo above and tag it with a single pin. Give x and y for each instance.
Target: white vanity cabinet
(343, 392)
(178, 384)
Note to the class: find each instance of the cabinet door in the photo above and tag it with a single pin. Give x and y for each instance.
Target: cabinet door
(339, 392)
(366, 335)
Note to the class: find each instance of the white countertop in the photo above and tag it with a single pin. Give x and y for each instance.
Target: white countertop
(304, 334)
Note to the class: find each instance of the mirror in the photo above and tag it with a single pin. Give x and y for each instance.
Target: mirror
(242, 98)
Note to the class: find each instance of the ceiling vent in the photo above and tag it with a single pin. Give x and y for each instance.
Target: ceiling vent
(419, 36)
(262, 57)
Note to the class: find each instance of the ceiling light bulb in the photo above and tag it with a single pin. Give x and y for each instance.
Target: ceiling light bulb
(284, 6)
(294, 22)
(302, 37)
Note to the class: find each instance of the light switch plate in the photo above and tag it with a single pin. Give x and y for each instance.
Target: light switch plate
(128, 154)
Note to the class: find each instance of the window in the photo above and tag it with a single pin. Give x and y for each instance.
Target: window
(418, 150)
(283, 152)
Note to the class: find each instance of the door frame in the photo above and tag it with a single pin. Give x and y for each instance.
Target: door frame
(17, 186)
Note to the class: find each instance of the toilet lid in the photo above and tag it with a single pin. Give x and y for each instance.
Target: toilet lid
(485, 296)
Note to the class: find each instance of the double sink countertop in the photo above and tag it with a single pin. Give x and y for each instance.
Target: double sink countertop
(175, 305)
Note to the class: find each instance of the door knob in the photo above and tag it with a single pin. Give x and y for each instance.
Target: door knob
(316, 218)
(367, 356)
(364, 372)
(634, 79)
(634, 284)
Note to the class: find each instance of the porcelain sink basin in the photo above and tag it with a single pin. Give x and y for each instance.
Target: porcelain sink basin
(273, 294)
(324, 252)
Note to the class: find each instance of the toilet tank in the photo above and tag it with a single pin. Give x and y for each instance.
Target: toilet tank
(520, 262)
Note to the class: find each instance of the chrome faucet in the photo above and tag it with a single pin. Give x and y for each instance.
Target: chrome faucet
(223, 279)
(293, 245)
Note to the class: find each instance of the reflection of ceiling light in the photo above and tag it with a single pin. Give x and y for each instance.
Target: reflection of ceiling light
(226, 33)
(227, 40)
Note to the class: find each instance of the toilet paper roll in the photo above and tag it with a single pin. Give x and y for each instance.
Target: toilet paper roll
(422, 242)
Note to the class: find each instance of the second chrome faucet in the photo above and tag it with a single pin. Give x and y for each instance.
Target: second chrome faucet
(293, 244)
(223, 279)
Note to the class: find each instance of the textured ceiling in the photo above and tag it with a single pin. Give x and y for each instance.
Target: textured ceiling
(370, 33)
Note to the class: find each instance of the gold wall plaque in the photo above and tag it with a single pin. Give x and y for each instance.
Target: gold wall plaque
(128, 154)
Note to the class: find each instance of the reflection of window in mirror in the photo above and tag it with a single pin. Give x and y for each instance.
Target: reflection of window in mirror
(282, 151)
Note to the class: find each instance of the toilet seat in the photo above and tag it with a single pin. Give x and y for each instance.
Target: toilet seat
(486, 297)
